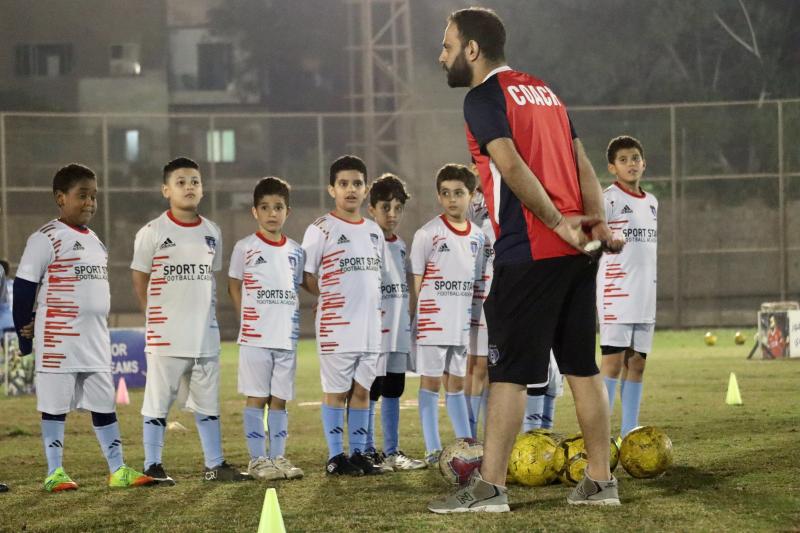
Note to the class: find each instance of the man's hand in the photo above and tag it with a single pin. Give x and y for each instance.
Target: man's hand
(571, 230)
(27, 331)
(611, 243)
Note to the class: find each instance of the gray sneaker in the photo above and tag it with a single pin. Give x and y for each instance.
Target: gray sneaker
(591, 492)
(265, 469)
(284, 465)
(400, 461)
(477, 496)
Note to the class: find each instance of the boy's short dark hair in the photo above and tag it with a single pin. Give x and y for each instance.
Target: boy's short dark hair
(621, 143)
(347, 162)
(271, 185)
(66, 177)
(386, 188)
(179, 162)
(483, 26)
(456, 172)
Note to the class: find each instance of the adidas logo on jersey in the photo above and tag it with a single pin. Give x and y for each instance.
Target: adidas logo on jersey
(444, 248)
(77, 247)
(260, 260)
(343, 240)
(166, 244)
(626, 210)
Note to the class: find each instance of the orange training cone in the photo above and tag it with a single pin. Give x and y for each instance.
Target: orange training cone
(122, 392)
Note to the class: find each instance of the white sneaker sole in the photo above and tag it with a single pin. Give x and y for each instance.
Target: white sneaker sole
(606, 502)
(501, 508)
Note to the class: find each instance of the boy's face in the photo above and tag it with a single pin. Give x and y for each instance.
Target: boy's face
(454, 197)
(78, 205)
(628, 165)
(183, 189)
(271, 213)
(348, 190)
(387, 214)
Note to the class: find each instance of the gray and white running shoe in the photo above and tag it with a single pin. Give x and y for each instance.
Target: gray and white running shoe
(591, 492)
(478, 496)
(289, 470)
(400, 461)
(265, 469)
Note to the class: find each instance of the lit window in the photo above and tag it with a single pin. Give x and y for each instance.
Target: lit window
(221, 146)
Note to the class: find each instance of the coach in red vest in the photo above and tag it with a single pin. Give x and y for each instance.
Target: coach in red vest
(546, 205)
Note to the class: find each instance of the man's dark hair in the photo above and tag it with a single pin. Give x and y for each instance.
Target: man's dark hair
(347, 162)
(69, 175)
(483, 26)
(456, 172)
(269, 186)
(386, 188)
(179, 162)
(621, 143)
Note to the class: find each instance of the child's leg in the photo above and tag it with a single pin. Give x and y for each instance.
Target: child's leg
(533, 408)
(631, 394)
(282, 383)
(393, 387)
(254, 376)
(455, 369)
(430, 365)
(53, 440)
(94, 392)
(555, 382)
(106, 429)
(336, 372)
(476, 383)
(358, 408)
(54, 399)
(203, 399)
(164, 375)
(375, 393)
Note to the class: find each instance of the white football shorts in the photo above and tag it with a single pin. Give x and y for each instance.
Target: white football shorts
(265, 372)
(59, 393)
(193, 382)
(338, 370)
(434, 361)
(391, 362)
(636, 336)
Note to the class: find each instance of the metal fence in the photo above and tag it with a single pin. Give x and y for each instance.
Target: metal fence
(727, 176)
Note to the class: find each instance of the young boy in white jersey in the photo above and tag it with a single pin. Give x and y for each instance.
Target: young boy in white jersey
(265, 274)
(174, 260)
(344, 254)
(447, 257)
(626, 281)
(68, 264)
(387, 200)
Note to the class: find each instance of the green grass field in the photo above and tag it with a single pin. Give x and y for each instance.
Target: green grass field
(734, 469)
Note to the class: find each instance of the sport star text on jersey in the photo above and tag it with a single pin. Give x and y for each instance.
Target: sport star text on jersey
(351, 264)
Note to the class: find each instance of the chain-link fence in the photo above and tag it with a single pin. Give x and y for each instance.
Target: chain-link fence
(727, 176)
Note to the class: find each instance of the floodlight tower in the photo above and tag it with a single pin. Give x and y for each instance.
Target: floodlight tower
(381, 78)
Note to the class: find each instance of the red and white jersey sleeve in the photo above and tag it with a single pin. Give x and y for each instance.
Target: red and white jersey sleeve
(181, 259)
(396, 326)
(479, 215)
(271, 274)
(450, 262)
(71, 329)
(346, 258)
(626, 282)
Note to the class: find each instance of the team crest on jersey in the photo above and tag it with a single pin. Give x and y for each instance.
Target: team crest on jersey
(494, 355)
(292, 262)
(653, 210)
(343, 240)
(77, 247)
(211, 242)
(473, 245)
(402, 254)
(444, 248)
(166, 244)
(626, 210)
(374, 238)
(261, 261)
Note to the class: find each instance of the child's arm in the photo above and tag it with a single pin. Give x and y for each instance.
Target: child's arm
(420, 250)
(236, 275)
(313, 244)
(140, 282)
(415, 282)
(235, 292)
(32, 267)
(144, 248)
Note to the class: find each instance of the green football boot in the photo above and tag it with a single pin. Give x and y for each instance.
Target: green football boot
(59, 481)
(126, 476)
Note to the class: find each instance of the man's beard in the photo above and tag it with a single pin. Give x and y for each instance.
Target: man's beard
(459, 75)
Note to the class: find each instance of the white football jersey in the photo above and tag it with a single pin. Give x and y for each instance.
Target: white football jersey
(394, 298)
(181, 259)
(71, 267)
(479, 215)
(346, 258)
(626, 282)
(271, 274)
(450, 262)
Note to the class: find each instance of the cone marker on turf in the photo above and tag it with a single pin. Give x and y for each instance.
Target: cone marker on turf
(271, 518)
(122, 392)
(733, 397)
